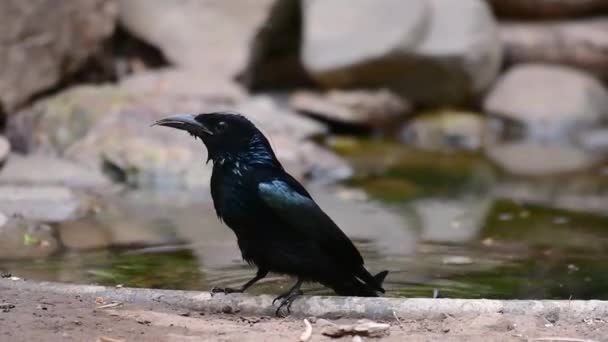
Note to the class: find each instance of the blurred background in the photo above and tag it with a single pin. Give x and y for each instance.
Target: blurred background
(462, 144)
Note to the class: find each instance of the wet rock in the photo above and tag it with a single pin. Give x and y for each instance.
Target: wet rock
(445, 130)
(44, 203)
(548, 8)
(43, 41)
(357, 107)
(131, 233)
(130, 219)
(23, 239)
(38, 169)
(120, 229)
(581, 43)
(431, 52)
(537, 112)
(95, 233)
(83, 235)
(458, 260)
(209, 37)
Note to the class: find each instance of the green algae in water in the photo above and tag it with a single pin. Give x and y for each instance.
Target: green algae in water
(393, 172)
(175, 270)
(546, 277)
(547, 227)
(538, 251)
(167, 270)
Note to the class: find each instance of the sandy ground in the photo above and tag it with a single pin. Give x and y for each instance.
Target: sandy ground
(27, 315)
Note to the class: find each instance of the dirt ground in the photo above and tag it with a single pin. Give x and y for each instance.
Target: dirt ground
(27, 315)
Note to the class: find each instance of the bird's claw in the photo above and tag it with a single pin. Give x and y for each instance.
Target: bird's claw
(286, 302)
(281, 296)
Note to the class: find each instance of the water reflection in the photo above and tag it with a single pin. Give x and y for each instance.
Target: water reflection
(446, 221)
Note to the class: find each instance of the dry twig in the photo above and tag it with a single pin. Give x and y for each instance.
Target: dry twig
(111, 305)
(560, 339)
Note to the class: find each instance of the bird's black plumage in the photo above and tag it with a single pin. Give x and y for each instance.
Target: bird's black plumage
(278, 225)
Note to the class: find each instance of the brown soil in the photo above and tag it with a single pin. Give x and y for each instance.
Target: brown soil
(26, 315)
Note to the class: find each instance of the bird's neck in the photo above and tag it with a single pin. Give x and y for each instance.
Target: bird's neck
(258, 153)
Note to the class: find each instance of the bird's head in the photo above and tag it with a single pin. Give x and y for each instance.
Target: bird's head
(226, 135)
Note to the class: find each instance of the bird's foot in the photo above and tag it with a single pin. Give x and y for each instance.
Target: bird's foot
(225, 290)
(286, 301)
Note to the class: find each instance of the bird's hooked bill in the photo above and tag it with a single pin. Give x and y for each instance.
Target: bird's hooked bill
(186, 122)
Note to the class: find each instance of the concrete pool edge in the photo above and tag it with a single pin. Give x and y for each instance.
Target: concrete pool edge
(329, 307)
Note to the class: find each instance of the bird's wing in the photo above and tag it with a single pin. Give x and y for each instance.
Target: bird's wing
(290, 201)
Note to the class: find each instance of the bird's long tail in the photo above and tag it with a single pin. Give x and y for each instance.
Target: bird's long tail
(362, 284)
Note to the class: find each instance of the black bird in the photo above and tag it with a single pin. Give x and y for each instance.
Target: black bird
(278, 225)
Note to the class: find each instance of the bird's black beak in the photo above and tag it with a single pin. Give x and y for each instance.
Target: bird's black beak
(184, 122)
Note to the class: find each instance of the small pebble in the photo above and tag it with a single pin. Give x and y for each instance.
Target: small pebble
(505, 217)
(560, 220)
(457, 260)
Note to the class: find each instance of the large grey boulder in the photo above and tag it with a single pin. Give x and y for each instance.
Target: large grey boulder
(160, 157)
(432, 52)
(581, 43)
(379, 108)
(209, 38)
(340, 34)
(538, 114)
(42, 41)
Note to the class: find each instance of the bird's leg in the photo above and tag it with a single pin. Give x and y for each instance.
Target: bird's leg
(288, 297)
(259, 275)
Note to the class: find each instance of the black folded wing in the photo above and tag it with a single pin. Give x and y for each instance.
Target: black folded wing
(295, 207)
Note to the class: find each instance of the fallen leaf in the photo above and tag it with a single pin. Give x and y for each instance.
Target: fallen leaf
(307, 331)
